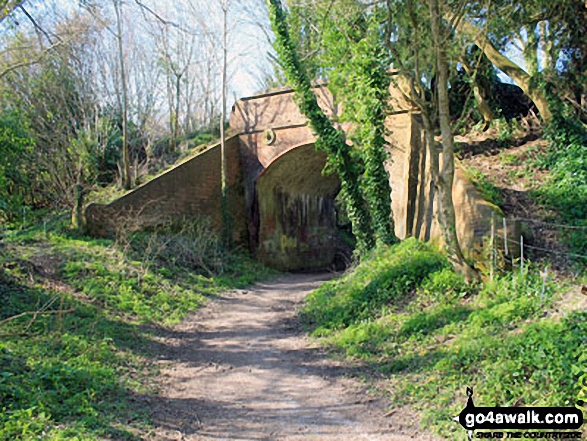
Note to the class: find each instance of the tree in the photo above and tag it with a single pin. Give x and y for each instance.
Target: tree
(482, 77)
(55, 100)
(7, 6)
(550, 37)
(329, 139)
(15, 149)
(225, 213)
(360, 80)
(176, 53)
(444, 181)
(123, 99)
(522, 78)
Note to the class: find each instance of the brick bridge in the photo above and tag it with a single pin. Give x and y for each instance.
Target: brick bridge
(281, 205)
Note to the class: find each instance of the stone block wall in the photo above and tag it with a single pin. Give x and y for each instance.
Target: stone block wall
(414, 200)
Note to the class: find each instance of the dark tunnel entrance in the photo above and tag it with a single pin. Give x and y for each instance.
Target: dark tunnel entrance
(296, 212)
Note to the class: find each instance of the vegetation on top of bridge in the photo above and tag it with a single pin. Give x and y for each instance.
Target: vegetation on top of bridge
(370, 225)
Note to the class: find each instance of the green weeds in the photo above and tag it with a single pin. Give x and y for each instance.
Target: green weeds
(484, 185)
(77, 320)
(433, 335)
(566, 189)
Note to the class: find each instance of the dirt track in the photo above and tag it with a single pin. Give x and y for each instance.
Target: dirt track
(240, 369)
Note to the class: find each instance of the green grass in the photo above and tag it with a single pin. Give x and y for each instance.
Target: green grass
(565, 192)
(78, 370)
(432, 335)
(485, 186)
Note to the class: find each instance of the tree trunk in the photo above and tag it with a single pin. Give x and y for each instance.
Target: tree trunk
(77, 215)
(515, 72)
(546, 47)
(126, 179)
(445, 180)
(177, 109)
(479, 94)
(225, 216)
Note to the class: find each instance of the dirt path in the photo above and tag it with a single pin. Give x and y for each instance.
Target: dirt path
(240, 369)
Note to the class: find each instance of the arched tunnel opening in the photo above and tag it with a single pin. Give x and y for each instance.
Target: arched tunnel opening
(296, 213)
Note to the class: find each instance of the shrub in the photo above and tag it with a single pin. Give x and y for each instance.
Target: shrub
(383, 280)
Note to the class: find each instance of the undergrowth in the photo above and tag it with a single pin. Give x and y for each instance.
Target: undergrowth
(485, 186)
(408, 316)
(77, 323)
(566, 189)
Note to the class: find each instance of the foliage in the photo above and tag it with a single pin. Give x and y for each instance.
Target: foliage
(566, 159)
(15, 149)
(53, 102)
(487, 188)
(191, 246)
(330, 140)
(382, 280)
(433, 335)
(74, 364)
(71, 376)
(361, 82)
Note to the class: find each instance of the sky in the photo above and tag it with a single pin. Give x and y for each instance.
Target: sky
(248, 37)
(249, 33)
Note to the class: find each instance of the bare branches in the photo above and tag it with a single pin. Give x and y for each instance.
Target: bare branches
(26, 63)
(8, 6)
(36, 25)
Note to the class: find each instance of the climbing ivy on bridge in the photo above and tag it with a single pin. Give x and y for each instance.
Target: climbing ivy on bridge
(329, 139)
(360, 77)
(360, 80)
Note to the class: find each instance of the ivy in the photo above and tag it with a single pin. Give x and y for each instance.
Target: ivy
(329, 139)
(362, 82)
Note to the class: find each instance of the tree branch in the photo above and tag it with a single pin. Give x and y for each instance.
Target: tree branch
(7, 6)
(27, 63)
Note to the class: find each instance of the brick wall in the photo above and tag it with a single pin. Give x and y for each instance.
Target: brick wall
(191, 189)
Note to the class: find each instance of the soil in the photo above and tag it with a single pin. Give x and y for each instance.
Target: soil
(516, 183)
(243, 369)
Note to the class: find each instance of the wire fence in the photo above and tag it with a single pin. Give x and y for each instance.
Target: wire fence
(536, 221)
(506, 240)
(501, 244)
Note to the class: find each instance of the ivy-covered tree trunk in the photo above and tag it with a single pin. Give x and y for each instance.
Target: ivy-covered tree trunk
(329, 139)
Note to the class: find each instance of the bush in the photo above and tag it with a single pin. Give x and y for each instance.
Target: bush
(382, 280)
(432, 334)
(15, 146)
(192, 245)
(566, 159)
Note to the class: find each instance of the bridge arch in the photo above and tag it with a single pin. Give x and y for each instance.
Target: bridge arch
(295, 213)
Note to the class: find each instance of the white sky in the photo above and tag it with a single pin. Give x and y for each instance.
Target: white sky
(247, 23)
(248, 28)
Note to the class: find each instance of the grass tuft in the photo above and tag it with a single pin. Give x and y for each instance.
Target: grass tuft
(78, 317)
(433, 335)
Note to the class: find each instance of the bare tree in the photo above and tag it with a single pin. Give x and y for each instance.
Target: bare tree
(176, 54)
(225, 216)
(126, 178)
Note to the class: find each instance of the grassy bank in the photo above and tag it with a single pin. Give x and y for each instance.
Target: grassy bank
(78, 318)
(409, 318)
